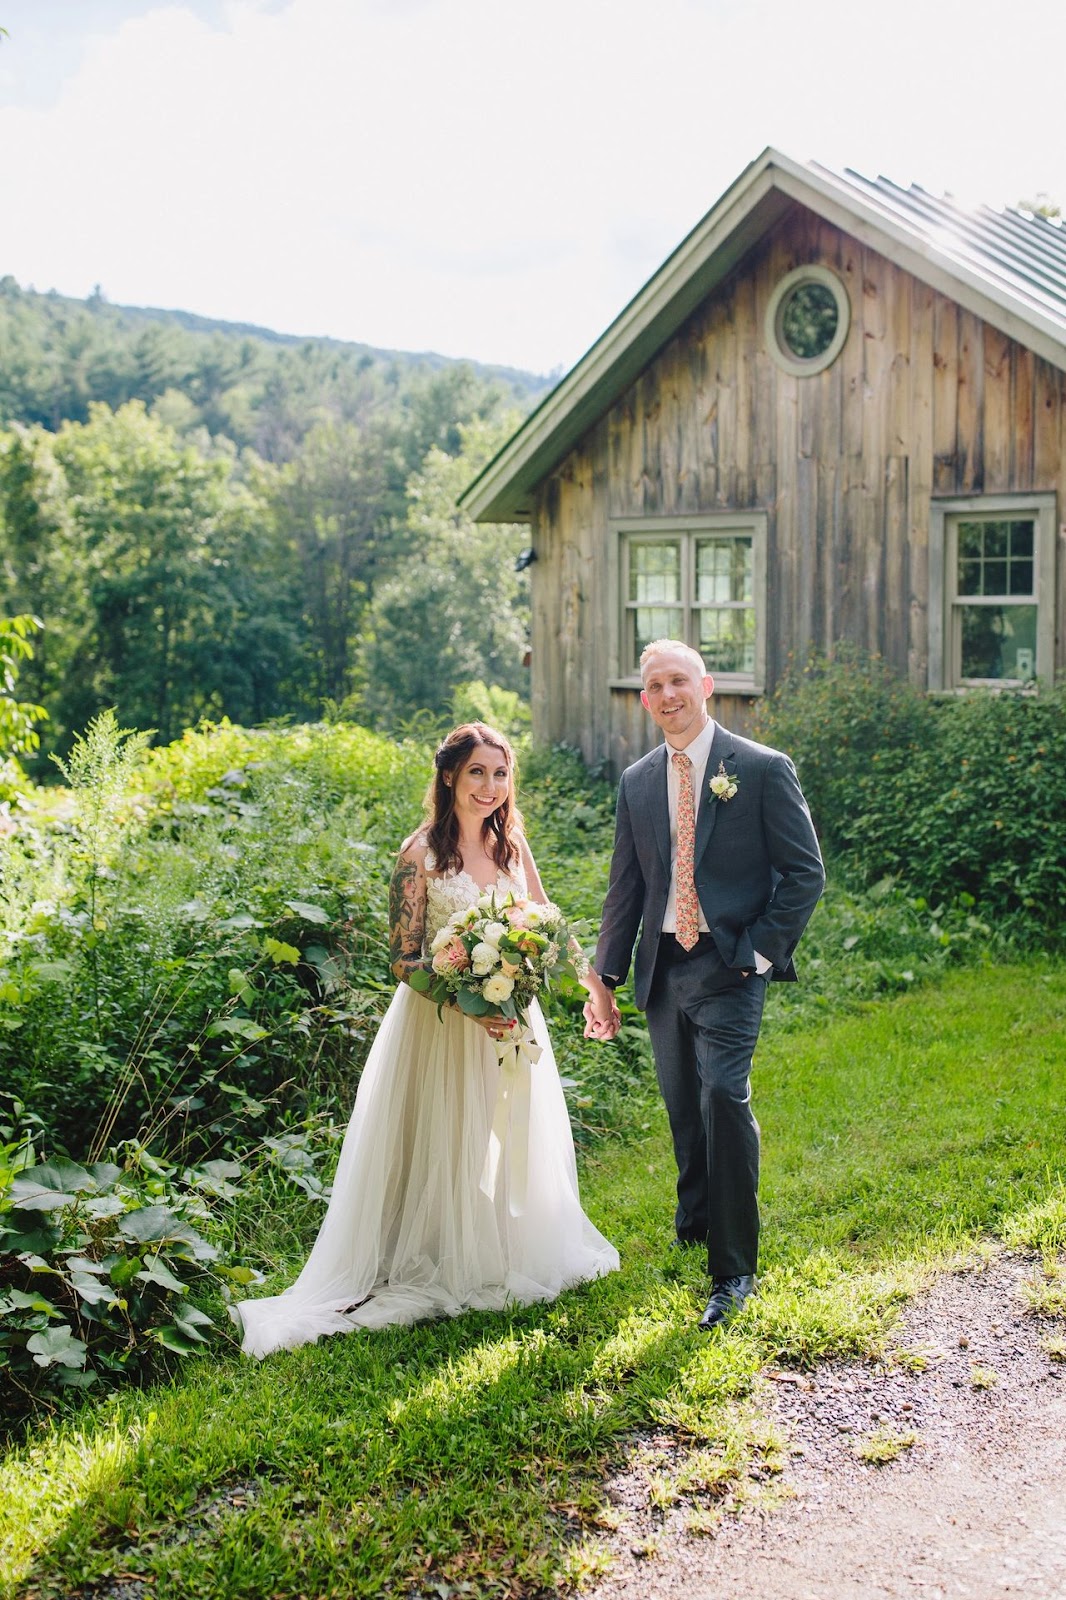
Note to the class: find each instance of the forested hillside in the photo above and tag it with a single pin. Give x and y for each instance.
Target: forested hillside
(212, 520)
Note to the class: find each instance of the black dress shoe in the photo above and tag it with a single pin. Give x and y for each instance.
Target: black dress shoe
(727, 1297)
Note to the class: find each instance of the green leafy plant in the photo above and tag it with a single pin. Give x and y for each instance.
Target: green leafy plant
(958, 800)
(99, 1265)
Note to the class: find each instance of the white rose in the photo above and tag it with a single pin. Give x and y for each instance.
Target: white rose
(493, 932)
(720, 786)
(483, 957)
(534, 916)
(497, 989)
(731, 791)
(445, 935)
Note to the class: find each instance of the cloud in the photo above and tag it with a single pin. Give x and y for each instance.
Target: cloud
(482, 178)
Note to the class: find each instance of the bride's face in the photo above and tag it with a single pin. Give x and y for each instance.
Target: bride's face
(483, 783)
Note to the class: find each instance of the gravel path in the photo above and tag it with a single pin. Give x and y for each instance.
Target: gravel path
(974, 1508)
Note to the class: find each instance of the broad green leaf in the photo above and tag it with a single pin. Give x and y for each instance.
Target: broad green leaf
(309, 913)
(27, 1232)
(91, 1290)
(123, 1269)
(240, 921)
(243, 1027)
(241, 1275)
(192, 1316)
(420, 980)
(68, 1378)
(51, 1185)
(19, 1300)
(472, 1005)
(240, 984)
(38, 1264)
(57, 1347)
(156, 1223)
(155, 1271)
(105, 1173)
(105, 1205)
(280, 953)
(184, 1342)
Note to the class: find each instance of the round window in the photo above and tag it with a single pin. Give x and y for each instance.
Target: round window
(807, 320)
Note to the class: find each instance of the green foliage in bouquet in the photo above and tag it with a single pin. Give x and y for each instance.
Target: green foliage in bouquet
(493, 957)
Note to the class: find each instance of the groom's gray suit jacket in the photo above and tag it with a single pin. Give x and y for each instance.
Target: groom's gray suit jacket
(758, 868)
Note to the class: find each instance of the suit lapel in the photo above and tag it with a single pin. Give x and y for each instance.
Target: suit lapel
(721, 750)
(658, 802)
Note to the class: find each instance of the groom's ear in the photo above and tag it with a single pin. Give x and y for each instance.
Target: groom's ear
(708, 686)
(644, 700)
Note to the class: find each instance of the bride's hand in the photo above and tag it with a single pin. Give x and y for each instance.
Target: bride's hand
(496, 1027)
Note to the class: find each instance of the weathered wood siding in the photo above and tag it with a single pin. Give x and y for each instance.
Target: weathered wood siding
(924, 399)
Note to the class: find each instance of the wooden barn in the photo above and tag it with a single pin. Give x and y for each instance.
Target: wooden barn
(836, 412)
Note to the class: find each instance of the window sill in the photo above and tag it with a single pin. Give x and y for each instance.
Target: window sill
(722, 685)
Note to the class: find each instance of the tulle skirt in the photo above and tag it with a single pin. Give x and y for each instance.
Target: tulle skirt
(413, 1229)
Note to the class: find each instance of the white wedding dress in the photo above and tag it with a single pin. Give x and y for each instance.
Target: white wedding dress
(411, 1230)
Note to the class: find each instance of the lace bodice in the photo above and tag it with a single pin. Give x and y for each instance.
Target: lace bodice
(445, 896)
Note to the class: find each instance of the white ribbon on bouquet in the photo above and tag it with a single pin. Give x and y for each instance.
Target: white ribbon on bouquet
(517, 1055)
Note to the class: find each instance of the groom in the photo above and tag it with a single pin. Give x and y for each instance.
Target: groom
(717, 865)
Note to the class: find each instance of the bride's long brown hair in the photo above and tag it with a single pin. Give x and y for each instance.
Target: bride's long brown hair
(500, 831)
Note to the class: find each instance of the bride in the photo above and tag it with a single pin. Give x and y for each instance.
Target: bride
(412, 1229)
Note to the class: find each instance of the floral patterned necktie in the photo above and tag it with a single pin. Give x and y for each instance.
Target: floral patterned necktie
(688, 906)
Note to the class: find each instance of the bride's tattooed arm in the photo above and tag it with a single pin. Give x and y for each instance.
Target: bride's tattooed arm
(407, 916)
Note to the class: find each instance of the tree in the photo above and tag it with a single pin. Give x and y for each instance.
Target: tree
(455, 610)
(189, 580)
(18, 718)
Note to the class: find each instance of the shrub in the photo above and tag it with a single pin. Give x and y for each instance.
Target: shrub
(846, 722)
(97, 1270)
(173, 956)
(958, 799)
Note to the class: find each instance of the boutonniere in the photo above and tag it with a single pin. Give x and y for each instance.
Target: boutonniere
(723, 785)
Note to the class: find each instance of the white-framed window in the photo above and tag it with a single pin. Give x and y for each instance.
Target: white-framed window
(700, 579)
(991, 591)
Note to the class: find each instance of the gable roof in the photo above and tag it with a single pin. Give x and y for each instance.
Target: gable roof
(1007, 267)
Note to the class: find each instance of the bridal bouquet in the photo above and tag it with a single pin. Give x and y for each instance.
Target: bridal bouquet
(494, 956)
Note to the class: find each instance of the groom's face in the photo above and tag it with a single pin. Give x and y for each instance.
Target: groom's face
(675, 695)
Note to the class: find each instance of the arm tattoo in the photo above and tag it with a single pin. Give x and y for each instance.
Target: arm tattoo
(407, 918)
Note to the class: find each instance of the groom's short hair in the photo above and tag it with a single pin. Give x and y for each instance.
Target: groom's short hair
(672, 647)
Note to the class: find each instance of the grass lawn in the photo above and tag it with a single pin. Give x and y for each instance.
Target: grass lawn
(467, 1457)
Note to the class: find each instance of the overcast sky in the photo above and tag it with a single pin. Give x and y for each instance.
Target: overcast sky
(485, 178)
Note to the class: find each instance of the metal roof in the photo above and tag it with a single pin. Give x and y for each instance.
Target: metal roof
(1025, 254)
(1007, 267)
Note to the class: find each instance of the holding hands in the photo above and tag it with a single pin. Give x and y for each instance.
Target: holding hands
(602, 1016)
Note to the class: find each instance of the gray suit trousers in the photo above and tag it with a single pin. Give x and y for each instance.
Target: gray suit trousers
(703, 1019)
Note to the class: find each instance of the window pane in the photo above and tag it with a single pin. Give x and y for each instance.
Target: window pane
(995, 578)
(724, 570)
(971, 543)
(995, 558)
(648, 623)
(809, 320)
(996, 535)
(654, 572)
(1021, 577)
(727, 639)
(970, 577)
(1021, 541)
(999, 642)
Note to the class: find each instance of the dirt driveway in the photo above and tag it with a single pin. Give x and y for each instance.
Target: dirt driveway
(972, 1508)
